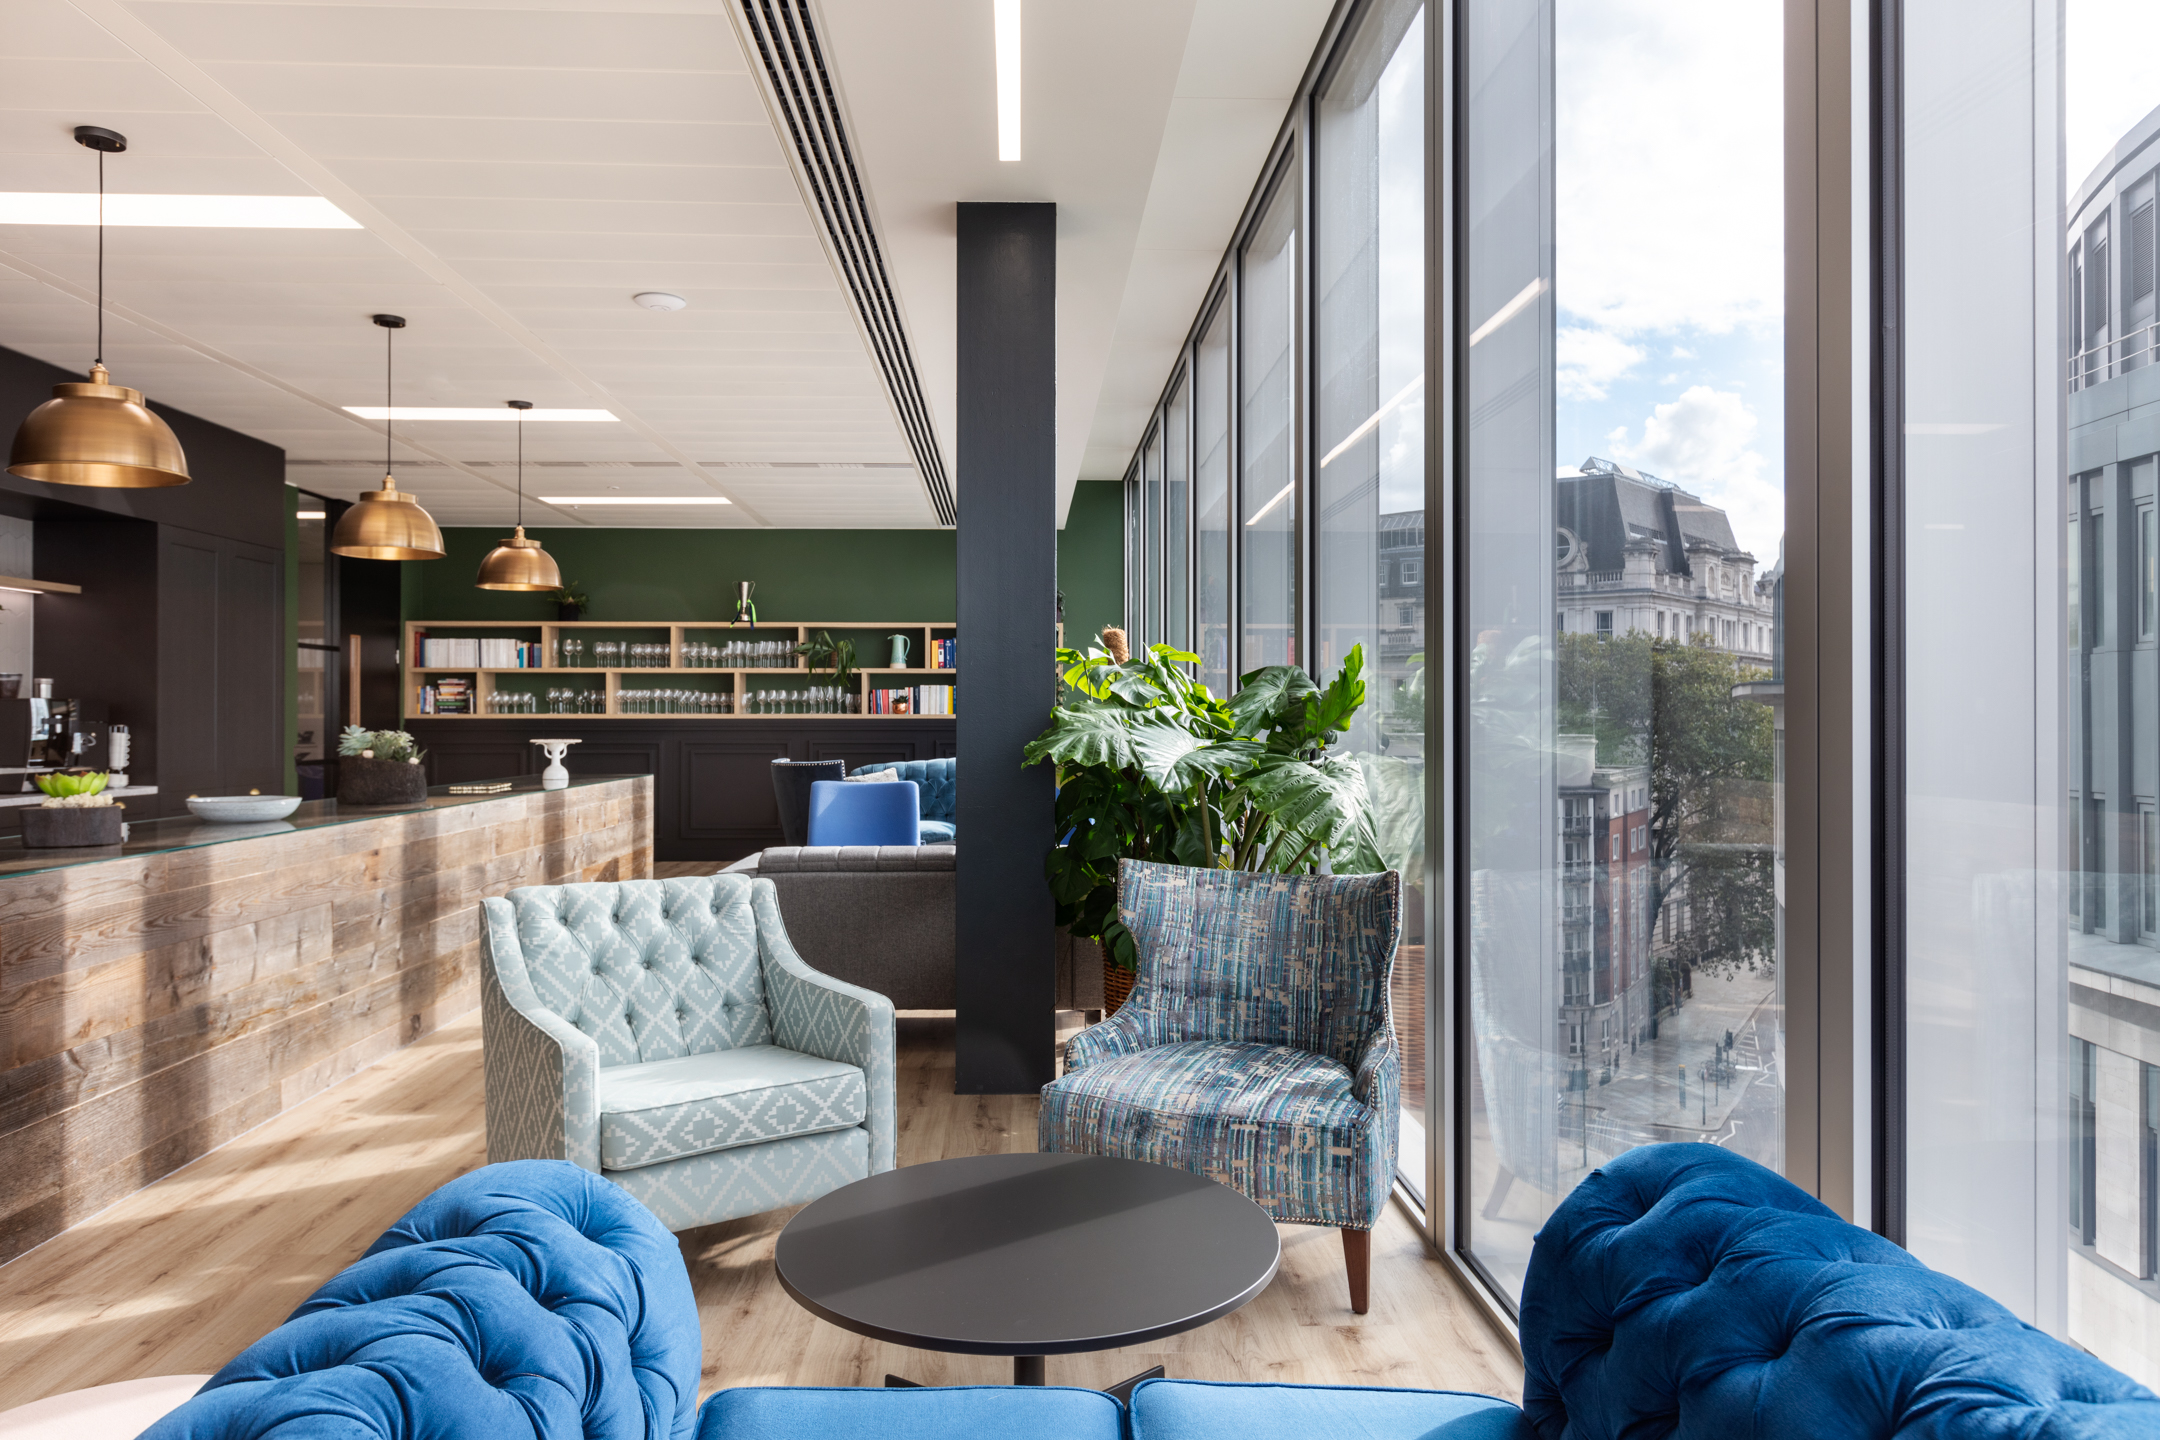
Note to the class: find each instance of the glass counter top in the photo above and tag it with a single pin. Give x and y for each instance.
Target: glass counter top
(185, 832)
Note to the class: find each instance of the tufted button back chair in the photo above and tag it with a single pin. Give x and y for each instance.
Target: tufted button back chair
(665, 1034)
(1682, 1290)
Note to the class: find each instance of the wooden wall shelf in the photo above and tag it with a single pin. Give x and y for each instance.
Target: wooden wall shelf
(736, 681)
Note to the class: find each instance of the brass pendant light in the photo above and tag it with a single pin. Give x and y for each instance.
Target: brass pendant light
(519, 563)
(98, 433)
(387, 524)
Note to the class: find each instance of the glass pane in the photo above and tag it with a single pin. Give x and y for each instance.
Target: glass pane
(1211, 499)
(1369, 318)
(1151, 500)
(1624, 533)
(1177, 515)
(1267, 472)
(1135, 572)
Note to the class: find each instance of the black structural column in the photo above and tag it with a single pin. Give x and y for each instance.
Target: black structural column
(1007, 430)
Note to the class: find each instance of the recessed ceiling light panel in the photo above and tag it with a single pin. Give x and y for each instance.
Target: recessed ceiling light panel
(1005, 19)
(660, 300)
(472, 412)
(231, 212)
(635, 500)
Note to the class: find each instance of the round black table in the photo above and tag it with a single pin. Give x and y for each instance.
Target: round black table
(1027, 1256)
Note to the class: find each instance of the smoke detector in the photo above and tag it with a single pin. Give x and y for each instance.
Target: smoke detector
(660, 300)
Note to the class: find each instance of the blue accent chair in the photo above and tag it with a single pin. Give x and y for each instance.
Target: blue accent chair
(1685, 1290)
(665, 1034)
(871, 814)
(1256, 1047)
(530, 1299)
(937, 784)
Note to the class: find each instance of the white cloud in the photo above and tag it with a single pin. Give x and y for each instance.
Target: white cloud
(1705, 441)
(1670, 156)
(1590, 360)
(2109, 85)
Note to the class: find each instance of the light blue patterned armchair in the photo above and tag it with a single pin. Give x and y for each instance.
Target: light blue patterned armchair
(1256, 1048)
(665, 1034)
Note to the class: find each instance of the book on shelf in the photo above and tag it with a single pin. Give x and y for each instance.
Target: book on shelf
(447, 696)
(945, 653)
(912, 700)
(477, 653)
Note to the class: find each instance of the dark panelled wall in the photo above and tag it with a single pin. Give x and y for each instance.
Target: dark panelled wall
(1007, 450)
(181, 624)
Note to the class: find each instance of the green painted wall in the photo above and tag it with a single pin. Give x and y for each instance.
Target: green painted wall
(1091, 561)
(872, 575)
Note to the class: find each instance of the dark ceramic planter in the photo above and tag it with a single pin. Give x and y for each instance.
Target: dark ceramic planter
(362, 781)
(569, 612)
(55, 829)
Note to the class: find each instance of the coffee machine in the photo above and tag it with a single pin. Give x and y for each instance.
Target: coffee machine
(54, 734)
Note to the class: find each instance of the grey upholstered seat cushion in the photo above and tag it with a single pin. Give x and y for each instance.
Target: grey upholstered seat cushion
(667, 1109)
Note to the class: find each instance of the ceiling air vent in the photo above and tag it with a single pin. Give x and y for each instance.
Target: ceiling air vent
(787, 45)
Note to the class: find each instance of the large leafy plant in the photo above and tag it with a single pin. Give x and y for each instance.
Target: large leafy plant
(1152, 766)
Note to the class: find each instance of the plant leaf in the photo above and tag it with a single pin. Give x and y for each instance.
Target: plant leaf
(1314, 802)
(1083, 735)
(1271, 699)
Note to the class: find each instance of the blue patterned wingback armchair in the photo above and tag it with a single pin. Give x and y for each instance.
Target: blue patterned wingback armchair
(665, 1034)
(1256, 1047)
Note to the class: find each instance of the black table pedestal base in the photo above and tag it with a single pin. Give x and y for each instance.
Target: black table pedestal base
(1028, 1370)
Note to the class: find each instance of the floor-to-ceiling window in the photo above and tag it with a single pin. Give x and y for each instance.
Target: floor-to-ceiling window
(1622, 466)
(1151, 538)
(1177, 515)
(1211, 496)
(1369, 339)
(1268, 570)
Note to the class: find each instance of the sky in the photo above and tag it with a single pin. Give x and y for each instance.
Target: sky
(1670, 247)
(2109, 80)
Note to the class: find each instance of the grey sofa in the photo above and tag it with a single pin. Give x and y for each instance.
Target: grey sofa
(882, 917)
(878, 916)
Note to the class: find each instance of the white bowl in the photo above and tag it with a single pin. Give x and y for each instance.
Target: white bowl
(240, 809)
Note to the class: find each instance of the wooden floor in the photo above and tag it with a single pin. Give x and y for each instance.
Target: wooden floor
(181, 1276)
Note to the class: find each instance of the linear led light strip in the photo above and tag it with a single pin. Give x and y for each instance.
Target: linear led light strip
(460, 412)
(234, 212)
(635, 500)
(1006, 16)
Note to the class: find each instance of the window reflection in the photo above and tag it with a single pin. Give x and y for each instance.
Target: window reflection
(1267, 410)
(1624, 578)
(1211, 498)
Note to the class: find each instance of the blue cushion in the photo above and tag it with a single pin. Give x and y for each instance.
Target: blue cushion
(1684, 1289)
(937, 832)
(960, 1412)
(937, 781)
(526, 1299)
(845, 814)
(1201, 1410)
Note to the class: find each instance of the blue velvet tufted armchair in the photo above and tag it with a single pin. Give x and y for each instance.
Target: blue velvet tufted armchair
(1256, 1048)
(665, 1034)
(936, 787)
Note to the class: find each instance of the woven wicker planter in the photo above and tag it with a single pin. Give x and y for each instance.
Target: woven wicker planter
(70, 825)
(362, 781)
(1116, 989)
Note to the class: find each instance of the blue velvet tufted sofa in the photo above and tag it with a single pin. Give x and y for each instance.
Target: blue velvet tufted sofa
(1680, 1291)
(935, 784)
(533, 1299)
(1684, 1290)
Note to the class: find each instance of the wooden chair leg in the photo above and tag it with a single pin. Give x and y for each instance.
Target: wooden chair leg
(1357, 1256)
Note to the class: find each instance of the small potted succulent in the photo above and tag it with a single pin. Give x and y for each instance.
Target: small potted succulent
(76, 811)
(379, 767)
(570, 601)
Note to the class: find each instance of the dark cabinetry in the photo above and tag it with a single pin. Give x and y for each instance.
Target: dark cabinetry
(221, 670)
(712, 791)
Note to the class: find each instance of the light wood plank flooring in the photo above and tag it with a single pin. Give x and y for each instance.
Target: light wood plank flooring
(181, 1276)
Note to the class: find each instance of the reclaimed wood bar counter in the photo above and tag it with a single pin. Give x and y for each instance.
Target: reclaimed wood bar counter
(159, 997)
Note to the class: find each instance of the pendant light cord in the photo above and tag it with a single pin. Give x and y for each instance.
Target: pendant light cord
(388, 392)
(100, 259)
(521, 469)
